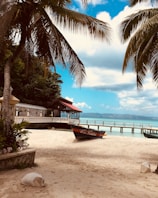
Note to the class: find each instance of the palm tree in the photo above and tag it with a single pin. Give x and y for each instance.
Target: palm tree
(29, 19)
(143, 44)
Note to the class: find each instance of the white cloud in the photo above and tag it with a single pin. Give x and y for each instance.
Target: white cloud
(98, 77)
(79, 104)
(93, 2)
(82, 105)
(104, 16)
(70, 99)
(143, 101)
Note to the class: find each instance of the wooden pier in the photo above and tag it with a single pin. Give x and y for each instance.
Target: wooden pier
(121, 126)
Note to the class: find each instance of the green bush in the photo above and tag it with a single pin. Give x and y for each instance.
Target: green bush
(17, 137)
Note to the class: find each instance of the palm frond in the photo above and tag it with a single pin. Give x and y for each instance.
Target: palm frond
(141, 71)
(63, 53)
(134, 2)
(155, 73)
(6, 20)
(130, 52)
(154, 62)
(145, 50)
(139, 80)
(140, 39)
(51, 43)
(141, 48)
(48, 30)
(76, 21)
(41, 38)
(134, 20)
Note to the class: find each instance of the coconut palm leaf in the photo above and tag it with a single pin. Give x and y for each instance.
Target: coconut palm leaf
(76, 21)
(58, 48)
(154, 62)
(145, 52)
(134, 2)
(132, 22)
(141, 48)
(140, 40)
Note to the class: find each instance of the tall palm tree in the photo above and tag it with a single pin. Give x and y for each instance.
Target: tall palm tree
(37, 33)
(143, 43)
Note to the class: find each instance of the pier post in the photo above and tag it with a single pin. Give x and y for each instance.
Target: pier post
(133, 130)
(110, 129)
(121, 129)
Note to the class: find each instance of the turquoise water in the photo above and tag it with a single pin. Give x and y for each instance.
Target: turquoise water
(121, 122)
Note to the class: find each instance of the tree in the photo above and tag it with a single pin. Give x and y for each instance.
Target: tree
(143, 43)
(41, 91)
(33, 86)
(30, 21)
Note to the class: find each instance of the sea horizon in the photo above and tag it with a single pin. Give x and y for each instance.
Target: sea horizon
(118, 116)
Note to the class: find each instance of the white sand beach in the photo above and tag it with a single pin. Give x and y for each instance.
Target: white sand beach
(100, 168)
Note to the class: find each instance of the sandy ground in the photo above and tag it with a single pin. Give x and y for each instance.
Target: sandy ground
(100, 168)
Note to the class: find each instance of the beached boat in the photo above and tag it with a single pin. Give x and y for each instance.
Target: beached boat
(82, 133)
(151, 135)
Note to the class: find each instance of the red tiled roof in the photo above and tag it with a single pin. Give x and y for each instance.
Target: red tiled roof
(72, 107)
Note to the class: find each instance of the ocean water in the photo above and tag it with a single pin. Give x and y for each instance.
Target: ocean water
(120, 122)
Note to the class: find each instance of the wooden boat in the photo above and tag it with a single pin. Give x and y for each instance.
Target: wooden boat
(151, 135)
(82, 133)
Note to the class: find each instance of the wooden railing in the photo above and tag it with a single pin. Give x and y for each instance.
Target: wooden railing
(19, 119)
(113, 124)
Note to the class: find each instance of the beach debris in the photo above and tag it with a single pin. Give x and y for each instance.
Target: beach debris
(33, 179)
(145, 167)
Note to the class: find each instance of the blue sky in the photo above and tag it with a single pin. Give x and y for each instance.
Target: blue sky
(105, 89)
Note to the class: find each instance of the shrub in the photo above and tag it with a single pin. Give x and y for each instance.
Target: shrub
(17, 139)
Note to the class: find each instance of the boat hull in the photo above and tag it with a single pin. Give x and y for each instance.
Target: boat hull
(82, 133)
(151, 135)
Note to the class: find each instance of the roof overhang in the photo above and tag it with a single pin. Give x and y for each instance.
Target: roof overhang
(70, 107)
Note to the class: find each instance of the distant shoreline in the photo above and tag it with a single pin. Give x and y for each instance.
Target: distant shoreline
(117, 116)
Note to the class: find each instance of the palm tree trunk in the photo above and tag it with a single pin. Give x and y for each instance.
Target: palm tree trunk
(6, 110)
(7, 114)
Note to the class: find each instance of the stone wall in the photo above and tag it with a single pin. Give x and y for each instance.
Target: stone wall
(20, 159)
